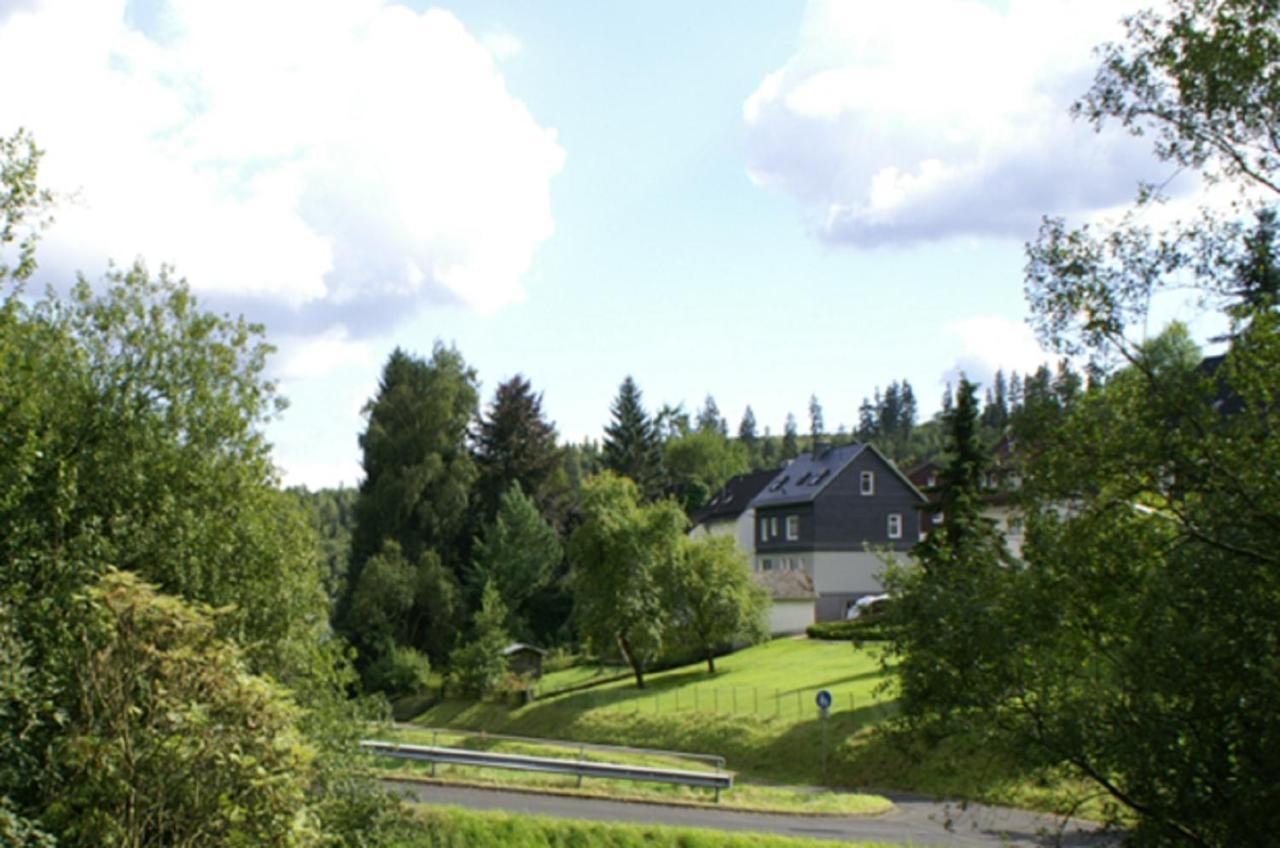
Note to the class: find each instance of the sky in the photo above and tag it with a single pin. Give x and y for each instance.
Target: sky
(760, 200)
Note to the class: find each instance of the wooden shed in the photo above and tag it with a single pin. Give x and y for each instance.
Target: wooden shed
(524, 659)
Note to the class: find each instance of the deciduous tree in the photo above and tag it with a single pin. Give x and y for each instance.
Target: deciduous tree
(618, 556)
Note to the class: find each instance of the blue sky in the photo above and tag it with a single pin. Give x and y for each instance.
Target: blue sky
(757, 200)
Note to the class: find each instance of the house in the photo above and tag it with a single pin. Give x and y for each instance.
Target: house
(729, 509)
(830, 514)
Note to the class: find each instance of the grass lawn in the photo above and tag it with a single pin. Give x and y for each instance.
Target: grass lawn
(758, 712)
(449, 826)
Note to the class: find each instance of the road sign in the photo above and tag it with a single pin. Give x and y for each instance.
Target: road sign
(824, 700)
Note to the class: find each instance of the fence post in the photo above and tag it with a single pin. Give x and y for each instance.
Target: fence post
(581, 752)
(434, 744)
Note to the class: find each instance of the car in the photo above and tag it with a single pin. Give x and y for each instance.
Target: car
(863, 605)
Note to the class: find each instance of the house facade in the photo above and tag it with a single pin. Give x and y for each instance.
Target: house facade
(831, 514)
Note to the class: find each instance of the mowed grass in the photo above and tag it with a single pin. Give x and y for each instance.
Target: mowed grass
(449, 827)
(750, 797)
(758, 712)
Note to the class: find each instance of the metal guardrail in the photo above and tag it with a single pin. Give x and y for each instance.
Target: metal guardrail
(714, 760)
(553, 765)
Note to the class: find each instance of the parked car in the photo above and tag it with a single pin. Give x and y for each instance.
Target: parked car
(864, 605)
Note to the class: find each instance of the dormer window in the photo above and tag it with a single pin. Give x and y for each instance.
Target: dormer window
(867, 483)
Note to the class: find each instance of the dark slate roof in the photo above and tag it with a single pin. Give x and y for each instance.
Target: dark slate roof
(807, 475)
(786, 585)
(733, 497)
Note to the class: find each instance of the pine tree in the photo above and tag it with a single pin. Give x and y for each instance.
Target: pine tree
(815, 422)
(515, 444)
(709, 418)
(747, 434)
(790, 439)
(632, 448)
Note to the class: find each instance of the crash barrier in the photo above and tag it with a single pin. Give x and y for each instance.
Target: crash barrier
(580, 768)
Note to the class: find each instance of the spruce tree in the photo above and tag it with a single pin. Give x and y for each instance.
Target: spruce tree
(815, 422)
(515, 444)
(632, 448)
(790, 439)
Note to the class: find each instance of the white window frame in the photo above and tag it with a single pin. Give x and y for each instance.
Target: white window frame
(764, 529)
(895, 525)
(867, 483)
(793, 528)
(773, 527)
(766, 564)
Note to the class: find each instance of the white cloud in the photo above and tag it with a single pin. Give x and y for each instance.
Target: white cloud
(328, 160)
(503, 45)
(987, 343)
(322, 354)
(924, 119)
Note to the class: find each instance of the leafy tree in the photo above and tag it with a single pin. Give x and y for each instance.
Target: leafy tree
(619, 555)
(517, 556)
(632, 448)
(672, 422)
(1130, 657)
(712, 600)
(21, 200)
(700, 463)
(398, 601)
(131, 439)
(515, 444)
(479, 665)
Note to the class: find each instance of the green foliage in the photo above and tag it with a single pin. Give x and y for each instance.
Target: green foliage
(401, 602)
(632, 447)
(479, 666)
(1140, 636)
(170, 739)
(400, 671)
(944, 621)
(418, 472)
(700, 462)
(411, 510)
(518, 554)
(618, 557)
(21, 198)
(712, 600)
(453, 828)
(865, 628)
(515, 444)
(331, 514)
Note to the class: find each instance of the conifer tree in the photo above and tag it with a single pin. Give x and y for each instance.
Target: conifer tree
(790, 439)
(631, 445)
(515, 444)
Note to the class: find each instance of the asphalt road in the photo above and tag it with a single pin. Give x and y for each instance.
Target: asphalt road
(915, 821)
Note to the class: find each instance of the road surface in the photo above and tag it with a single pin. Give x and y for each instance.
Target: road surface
(915, 821)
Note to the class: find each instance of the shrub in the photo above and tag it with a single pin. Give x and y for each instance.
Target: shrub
(400, 671)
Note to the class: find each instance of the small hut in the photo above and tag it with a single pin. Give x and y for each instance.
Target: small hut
(524, 659)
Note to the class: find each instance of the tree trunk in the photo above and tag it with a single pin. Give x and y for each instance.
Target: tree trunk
(631, 660)
(711, 661)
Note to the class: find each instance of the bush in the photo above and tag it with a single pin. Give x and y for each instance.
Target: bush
(865, 629)
(400, 671)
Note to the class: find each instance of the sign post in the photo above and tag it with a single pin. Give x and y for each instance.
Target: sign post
(824, 706)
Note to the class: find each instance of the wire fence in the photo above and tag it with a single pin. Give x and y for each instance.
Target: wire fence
(713, 700)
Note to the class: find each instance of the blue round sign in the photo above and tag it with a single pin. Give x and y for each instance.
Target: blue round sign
(824, 699)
